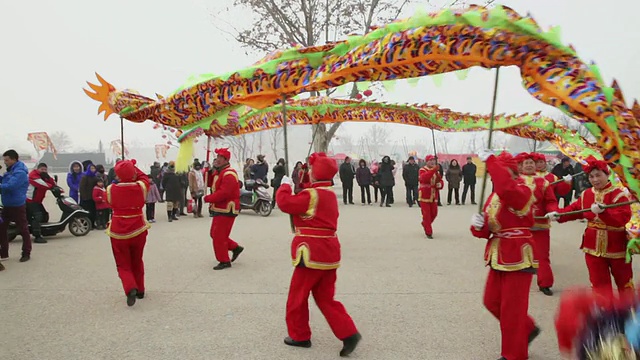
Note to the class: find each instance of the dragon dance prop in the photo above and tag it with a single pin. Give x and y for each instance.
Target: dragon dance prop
(42, 142)
(426, 44)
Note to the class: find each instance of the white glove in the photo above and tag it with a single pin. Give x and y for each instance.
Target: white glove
(626, 191)
(567, 178)
(477, 221)
(483, 155)
(439, 186)
(205, 165)
(596, 208)
(286, 180)
(553, 216)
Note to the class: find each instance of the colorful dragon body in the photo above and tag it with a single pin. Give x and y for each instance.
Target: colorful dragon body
(425, 44)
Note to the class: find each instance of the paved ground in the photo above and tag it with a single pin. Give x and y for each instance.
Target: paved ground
(412, 298)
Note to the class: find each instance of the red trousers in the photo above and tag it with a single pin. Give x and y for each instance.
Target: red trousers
(601, 269)
(429, 213)
(541, 249)
(128, 256)
(506, 296)
(322, 284)
(220, 231)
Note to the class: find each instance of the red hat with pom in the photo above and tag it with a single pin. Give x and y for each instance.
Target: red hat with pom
(507, 160)
(224, 152)
(125, 170)
(593, 164)
(520, 158)
(323, 168)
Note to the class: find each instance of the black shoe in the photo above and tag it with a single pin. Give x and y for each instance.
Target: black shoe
(349, 344)
(534, 334)
(547, 291)
(25, 258)
(502, 358)
(388, 205)
(304, 344)
(140, 295)
(1, 267)
(474, 203)
(429, 236)
(448, 204)
(170, 215)
(131, 297)
(222, 266)
(381, 204)
(351, 203)
(39, 240)
(462, 203)
(236, 252)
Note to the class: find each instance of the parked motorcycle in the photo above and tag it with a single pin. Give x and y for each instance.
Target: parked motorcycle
(255, 197)
(73, 215)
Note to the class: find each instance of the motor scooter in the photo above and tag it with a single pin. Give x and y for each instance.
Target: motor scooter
(255, 197)
(73, 215)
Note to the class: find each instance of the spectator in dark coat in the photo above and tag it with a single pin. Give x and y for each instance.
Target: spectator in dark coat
(279, 172)
(154, 174)
(260, 169)
(111, 176)
(364, 179)
(580, 182)
(387, 182)
(410, 176)
(441, 171)
(453, 176)
(173, 192)
(87, 183)
(561, 170)
(469, 177)
(347, 173)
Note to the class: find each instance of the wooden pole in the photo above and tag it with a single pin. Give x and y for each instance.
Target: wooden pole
(122, 136)
(286, 148)
(491, 123)
(589, 209)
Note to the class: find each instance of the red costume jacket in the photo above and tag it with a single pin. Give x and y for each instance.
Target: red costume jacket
(127, 199)
(561, 189)
(38, 187)
(508, 216)
(225, 192)
(430, 183)
(545, 202)
(100, 198)
(315, 217)
(605, 235)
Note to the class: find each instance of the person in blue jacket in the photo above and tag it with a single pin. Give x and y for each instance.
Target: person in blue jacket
(14, 199)
(73, 179)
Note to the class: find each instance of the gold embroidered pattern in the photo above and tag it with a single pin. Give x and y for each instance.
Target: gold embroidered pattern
(303, 253)
(492, 210)
(313, 204)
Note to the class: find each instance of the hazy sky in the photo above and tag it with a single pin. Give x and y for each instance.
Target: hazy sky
(52, 47)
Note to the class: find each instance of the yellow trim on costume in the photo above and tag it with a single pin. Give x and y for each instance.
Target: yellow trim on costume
(313, 204)
(144, 189)
(492, 210)
(109, 194)
(231, 208)
(304, 253)
(127, 216)
(129, 235)
(528, 260)
(232, 173)
(527, 207)
(619, 197)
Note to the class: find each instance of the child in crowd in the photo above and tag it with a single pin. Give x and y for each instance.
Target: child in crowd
(102, 206)
(153, 196)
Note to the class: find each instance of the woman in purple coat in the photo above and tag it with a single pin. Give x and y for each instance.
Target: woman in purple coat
(364, 179)
(73, 179)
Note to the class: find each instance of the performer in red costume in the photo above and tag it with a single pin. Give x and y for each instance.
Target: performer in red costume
(315, 251)
(605, 240)
(545, 203)
(128, 227)
(560, 189)
(225, 206)
(430, 183)
(505, 222)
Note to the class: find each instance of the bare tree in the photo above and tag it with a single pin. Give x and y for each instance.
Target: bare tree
(442, 144)
(378, 138)
(62, 141)
(282, 23)
(574, 124)
(240, 146)
(275, 135)
(345, 141)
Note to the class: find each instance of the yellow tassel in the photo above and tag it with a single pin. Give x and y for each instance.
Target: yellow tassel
(185, 155)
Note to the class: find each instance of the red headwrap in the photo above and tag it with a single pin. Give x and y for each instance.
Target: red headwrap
(539, 157)
(323, 168)
(593, 164)
(125, 170)
(507, 160)
(525, 156)
(429, 157)
(224, 152)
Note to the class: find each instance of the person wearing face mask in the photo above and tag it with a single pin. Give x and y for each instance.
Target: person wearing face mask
(224, 202)
(605, 239)
(39, 183)
(505, 221)
(545, 202)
